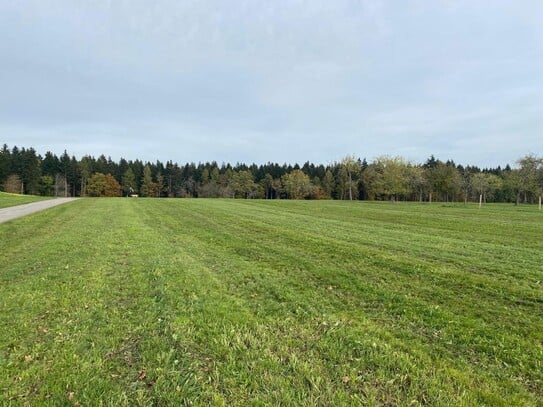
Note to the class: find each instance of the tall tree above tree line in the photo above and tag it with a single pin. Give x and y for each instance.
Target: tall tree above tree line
(349, 172)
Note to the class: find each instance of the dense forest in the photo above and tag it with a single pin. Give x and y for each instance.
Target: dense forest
(23, 170)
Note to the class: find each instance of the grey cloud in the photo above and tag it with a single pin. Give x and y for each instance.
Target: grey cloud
(283, 81)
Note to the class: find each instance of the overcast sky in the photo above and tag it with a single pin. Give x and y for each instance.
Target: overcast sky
(284, 81)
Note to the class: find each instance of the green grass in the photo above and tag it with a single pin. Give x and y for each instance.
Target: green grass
(234, 302)
(17, 199)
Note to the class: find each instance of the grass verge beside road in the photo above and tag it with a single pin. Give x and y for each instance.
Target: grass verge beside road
(7, 200)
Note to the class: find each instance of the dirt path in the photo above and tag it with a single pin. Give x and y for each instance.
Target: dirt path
(13, 212)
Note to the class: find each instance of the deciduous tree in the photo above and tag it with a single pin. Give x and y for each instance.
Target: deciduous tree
(349, 172)
(485, 184)
(445, 179)
(96, 184)
(13, 184)
(296, 184)
(103, 185)
(530, 176)
(242, 184)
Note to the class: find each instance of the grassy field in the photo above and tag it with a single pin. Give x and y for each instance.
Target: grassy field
(17, 199)
(234, 302)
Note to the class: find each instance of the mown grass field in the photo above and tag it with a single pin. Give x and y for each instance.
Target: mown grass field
(234, 302)
(7, 200)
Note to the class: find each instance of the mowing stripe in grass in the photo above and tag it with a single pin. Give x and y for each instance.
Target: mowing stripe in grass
(137, 302)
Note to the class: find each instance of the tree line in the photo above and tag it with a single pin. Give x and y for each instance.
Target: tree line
(23, 170)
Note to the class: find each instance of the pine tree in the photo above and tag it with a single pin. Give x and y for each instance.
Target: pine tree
(129, 182)
(148, 187)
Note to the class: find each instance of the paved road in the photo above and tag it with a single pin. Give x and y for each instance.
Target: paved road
(22, 210)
